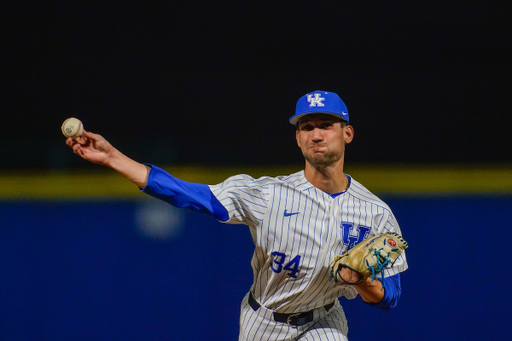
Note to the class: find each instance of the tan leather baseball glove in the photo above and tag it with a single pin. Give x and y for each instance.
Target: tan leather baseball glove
(369, 257)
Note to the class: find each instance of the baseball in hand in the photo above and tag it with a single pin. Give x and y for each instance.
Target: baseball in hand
(72, 127)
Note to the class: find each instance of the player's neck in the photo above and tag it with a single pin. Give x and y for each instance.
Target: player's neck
(330, 179)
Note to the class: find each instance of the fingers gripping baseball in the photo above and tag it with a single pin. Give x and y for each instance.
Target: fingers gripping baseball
(91, 147)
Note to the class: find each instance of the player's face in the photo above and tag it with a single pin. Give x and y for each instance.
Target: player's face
(322, 138)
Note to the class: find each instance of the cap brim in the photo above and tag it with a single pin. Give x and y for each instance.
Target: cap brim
(295, 119)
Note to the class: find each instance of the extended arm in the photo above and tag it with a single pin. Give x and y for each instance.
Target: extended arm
(94, 148)
(154, 181)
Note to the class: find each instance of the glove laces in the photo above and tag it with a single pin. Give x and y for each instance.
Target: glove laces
(382, 261)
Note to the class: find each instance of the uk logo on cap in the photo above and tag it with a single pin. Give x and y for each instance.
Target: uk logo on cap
(320, 102)
(316, 101)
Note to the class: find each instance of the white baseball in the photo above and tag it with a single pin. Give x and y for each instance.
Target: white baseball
(72, 127)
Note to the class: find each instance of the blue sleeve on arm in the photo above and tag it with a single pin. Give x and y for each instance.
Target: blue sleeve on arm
(392, 293)
(182, 194)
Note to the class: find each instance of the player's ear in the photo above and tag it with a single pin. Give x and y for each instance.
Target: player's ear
(348, 134)
(297, 137)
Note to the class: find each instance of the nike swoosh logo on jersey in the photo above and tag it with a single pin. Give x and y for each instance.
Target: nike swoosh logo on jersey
(286, 214)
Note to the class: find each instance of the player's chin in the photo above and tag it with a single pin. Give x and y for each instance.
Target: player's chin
(320, 159)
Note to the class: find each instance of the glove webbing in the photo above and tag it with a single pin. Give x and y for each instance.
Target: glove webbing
(380, 265)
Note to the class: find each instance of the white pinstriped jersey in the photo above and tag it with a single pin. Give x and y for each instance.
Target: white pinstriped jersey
(297, 230)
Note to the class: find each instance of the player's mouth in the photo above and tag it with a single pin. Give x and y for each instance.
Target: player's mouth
(316, 147)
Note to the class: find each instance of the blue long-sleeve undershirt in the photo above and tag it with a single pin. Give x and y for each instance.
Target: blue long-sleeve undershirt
(199, 197)
(183, 194)
(392, 293)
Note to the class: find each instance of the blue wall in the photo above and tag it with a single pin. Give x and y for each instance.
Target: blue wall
(104, 271)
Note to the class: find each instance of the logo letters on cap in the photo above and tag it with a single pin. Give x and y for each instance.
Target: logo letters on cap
(316, 101)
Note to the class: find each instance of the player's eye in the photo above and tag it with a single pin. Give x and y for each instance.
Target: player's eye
(307, 127)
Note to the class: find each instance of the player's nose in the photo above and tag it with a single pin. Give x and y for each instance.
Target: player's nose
(316, 135)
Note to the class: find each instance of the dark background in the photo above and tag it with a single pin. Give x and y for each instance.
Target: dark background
(214, 83)
(211, 83)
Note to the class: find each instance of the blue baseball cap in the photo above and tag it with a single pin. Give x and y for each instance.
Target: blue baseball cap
(320, 102)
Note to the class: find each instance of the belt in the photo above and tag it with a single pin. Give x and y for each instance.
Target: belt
(293, 319)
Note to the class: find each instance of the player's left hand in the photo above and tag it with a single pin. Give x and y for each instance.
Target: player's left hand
(349, 275)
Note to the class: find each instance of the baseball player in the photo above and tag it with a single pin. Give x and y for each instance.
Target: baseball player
(298, 223)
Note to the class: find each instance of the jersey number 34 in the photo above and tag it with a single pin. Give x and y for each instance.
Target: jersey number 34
(279, 263)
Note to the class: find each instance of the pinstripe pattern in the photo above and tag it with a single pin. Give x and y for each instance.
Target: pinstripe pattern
(259, 325)
(316, 227)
